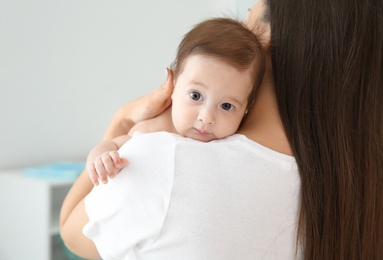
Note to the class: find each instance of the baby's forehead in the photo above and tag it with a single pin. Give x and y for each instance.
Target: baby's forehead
(209, 71)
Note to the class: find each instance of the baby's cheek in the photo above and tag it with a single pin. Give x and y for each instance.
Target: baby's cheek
(182, 119)
(229, 127)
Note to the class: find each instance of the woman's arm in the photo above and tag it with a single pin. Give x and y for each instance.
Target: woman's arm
(73, 216)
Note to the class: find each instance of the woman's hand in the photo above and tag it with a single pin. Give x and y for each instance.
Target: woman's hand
(146, 107)
(152, 104)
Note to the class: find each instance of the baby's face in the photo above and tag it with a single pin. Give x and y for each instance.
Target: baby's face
(209, 99)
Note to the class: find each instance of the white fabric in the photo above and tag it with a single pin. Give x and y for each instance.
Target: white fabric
(184, 199)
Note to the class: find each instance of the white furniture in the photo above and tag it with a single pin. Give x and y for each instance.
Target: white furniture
(29, 216)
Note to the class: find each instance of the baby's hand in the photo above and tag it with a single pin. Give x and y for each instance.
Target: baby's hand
(107, 164)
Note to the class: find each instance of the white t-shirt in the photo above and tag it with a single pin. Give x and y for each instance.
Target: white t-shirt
(183, 199)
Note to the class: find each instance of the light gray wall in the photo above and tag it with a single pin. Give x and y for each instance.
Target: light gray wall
(66, 66)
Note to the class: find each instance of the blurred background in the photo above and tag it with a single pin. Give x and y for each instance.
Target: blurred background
(67, 66)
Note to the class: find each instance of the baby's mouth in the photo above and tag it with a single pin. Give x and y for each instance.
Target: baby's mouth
(201, 131)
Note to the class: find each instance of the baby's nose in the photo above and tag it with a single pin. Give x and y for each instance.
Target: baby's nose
(207, 117)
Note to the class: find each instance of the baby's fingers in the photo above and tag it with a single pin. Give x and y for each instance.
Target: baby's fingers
(93, 174)
(124, 162)
(101, 170)
(118, 162)
(110, 164)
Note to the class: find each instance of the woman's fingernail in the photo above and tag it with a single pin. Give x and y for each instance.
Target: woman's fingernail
(166, 74)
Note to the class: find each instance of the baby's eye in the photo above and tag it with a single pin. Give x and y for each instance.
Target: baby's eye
(195, 96)
(227, 106)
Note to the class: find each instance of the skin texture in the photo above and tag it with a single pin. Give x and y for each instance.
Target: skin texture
(262, 124)
(210, 99)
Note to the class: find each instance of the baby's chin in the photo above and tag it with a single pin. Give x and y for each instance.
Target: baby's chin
(202, 139)
(197, 135)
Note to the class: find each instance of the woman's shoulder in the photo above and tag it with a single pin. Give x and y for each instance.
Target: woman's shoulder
(244, 147)
(270, 135)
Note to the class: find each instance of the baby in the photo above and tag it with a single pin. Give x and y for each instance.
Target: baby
(217, 71)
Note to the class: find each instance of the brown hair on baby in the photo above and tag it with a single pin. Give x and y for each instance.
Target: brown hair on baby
(227, 40)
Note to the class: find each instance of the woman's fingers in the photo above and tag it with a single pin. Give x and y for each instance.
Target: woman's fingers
(162, 96)
(143, 108)
(154, 103)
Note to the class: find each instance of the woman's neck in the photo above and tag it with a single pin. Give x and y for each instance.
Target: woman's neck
(263, 123)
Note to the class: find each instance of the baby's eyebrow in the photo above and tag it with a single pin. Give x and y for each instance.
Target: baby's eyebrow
(236, 100)
(195, 82)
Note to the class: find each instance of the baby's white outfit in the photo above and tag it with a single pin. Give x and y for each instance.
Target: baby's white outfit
(183, 199)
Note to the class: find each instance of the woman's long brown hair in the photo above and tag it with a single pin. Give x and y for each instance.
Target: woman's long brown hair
(327, 63)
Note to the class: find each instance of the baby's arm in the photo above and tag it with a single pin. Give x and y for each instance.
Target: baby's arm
(104, 160)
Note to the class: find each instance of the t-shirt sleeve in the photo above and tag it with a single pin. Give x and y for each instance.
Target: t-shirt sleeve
(129, 212)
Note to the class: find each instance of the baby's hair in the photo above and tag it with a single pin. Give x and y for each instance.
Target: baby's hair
(228, 40)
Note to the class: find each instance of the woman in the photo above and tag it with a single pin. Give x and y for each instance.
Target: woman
(324, 106)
